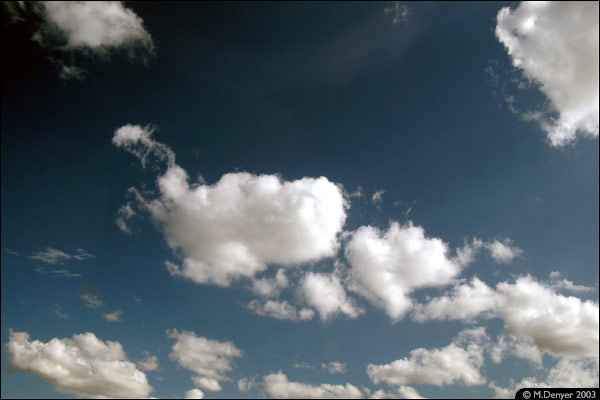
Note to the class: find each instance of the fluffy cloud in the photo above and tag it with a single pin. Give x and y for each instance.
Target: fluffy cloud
(464, 302)
(277, 386)
(280, 310)
(266, 287)
(84, 365)
(209, 359)
(55, 256)
(502, 252)
(334, 367)
(401, 392)
(150, 363)
(387, 266)
(97, 26)
(555, 44)
(91, 300)
(459, 362)
(327, 295)
(114, 316)
(245, 384)
(560, 325)
(238, 226)
(194, 394)
(517, 346)
(565, 374)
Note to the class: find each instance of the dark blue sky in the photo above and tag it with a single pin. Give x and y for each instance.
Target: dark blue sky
(300, 90)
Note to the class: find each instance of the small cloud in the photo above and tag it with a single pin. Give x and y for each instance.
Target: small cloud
(114, 316)
(399, 11)
(59, 312)
(149, 363)
(136, 299)
(57, 273)
(303, 365)
(334, 367)
(11, 252)
(358, 193)
(72, 72)
(91, 301)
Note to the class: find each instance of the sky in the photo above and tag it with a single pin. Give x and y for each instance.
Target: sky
(298, 200)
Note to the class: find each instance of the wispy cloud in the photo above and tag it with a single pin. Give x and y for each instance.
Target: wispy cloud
(59, 312)
(91, 300)
(55, 256)
(114, 316)
(58, 273)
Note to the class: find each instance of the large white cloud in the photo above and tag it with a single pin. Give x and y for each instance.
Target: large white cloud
(84, 365)
(209, 359)
(96, 25)
(387, 266)
(277, 386)
(243, 223)
(459, 362)
(556, 45)
(326, 293)
(560, 325)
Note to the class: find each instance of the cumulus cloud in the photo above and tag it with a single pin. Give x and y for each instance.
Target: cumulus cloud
(150, 363)
(209, 359)
(502, 252)
(334, 367)
(459, 362)
(563, 326)
(555, 44)
(243, 223)
(280, 310)
(277, 386)
(97, 26)
(565, 374)
(401, 392)
(326, 293)
(91, 300)
(516, 346)
(194, 394)
(560, 325)
(114, 316)
(464, 302)
(55, 256)
(84, 365)
(245, 384)
(270, 287)
(387, 266)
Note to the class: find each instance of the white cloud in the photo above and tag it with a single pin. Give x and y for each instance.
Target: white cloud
(277, 386)
(84, 365)
(59, 312)
(150, 363)
(243, 223)
(194, 394)
(459, 362)
(57, 273)
(209, 359)
(280, 310)
(556, 45)
(399, 11)
(516, 346)
(502, 252)
(327, 295)
(334, 367)
(114, 316)
(561, 325)
(96, 25)
(270, 287)
(124, 214)
(464, 302)
(377, 197)
(245, 384)
(91, 300)
(402, 392)
(387, 266)
(565, 374)
(55, 256)
(565, 284)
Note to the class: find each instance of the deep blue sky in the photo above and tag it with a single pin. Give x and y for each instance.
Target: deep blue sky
(315, 89)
